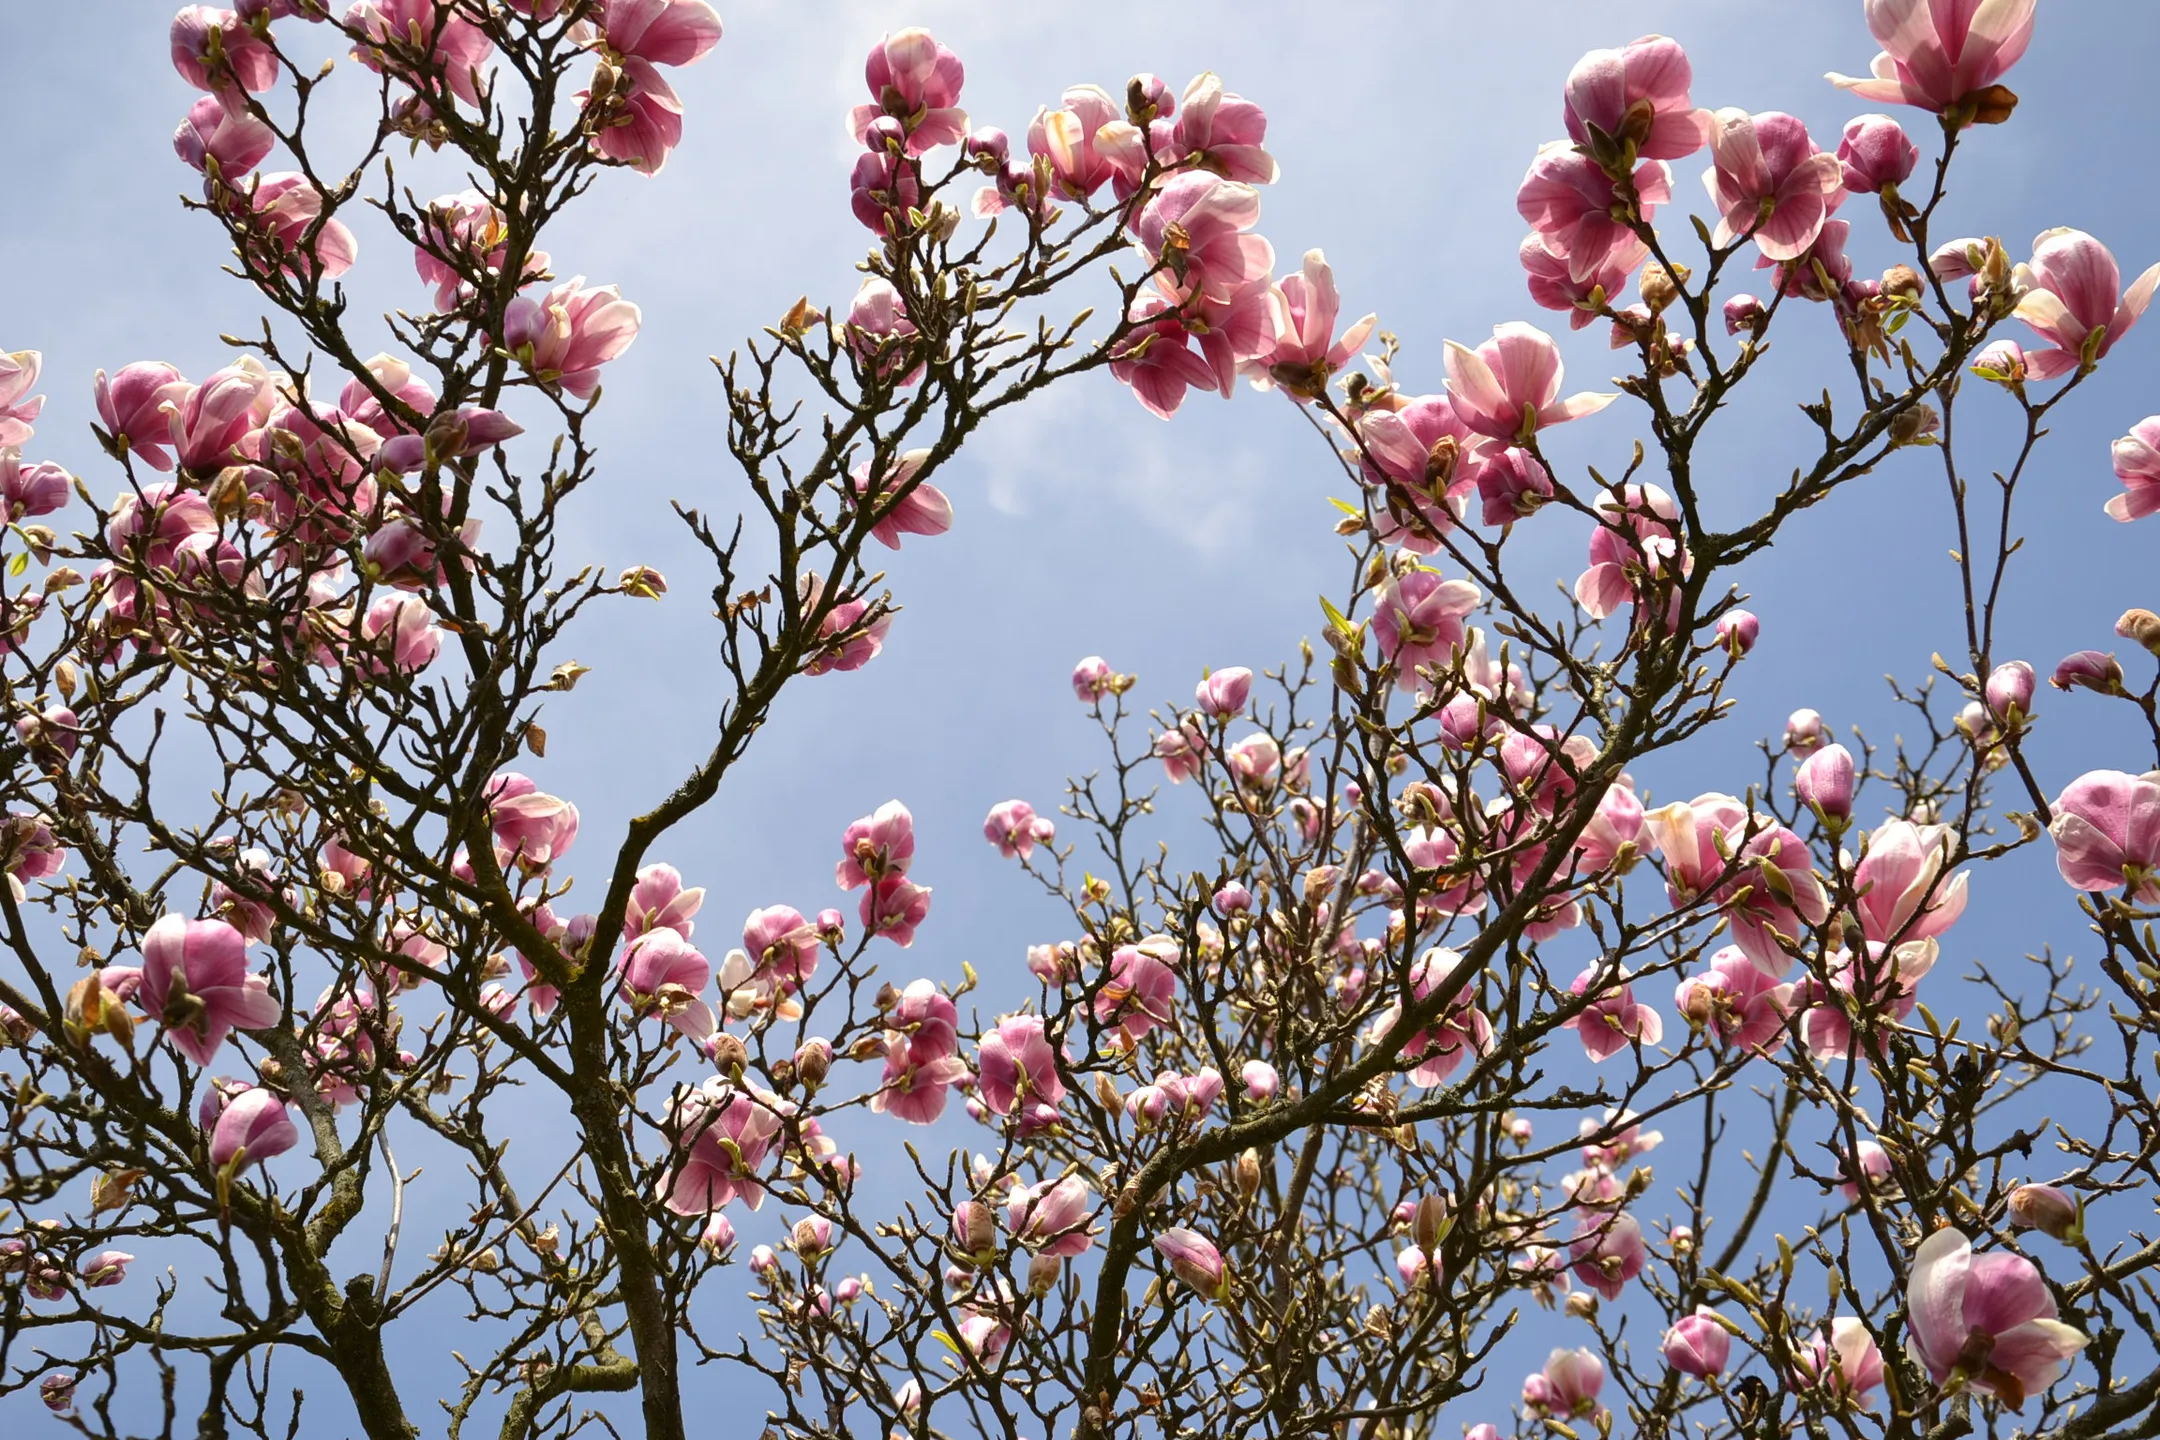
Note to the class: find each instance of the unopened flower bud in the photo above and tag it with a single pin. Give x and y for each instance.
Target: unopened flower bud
(2010, 692)
(2142, 626)
(1824, 784)
(975, 1234)
(1914, 424)
(1431, 1223)
(811, 1237)
(729, 1053)
(1248, 1174)
(1737, 631)
(1660, 287)
(1042, 1274)
(1581, 1305)
(813, 1061)
(1902, 280)
(1805, 732)
(2051, 1211)
(1745, 313)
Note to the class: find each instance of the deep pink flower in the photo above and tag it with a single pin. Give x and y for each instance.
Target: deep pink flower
(1875, 154)
(215, 50)
(401, 31)
(1223, 692)
(531, 830)
(1015, 1065)
(1139, 993)
(1428, 459)
(663, 976)
(877, 845)
(1607, 1252)
(251, 1128)
(2107, 834)
(1883, 985)
(1636, 547)
(916, 1085)
(1737, 1001)
(782, 946)
(565, 336)
(2069, 301)
(880, 333)
(1637, 96)
(661, 32)
(288, 213)
(1568, 1385)
(1618, 823)
(2137, 465)
(209, 421)
(466, 226)
(1088, 143)
(137, 407)
(1306, 351)
(1015, 828)
(1051, 1217)
(1157, 359)
(1937, 53)
(1902, 872)
(1193, 1258)
(27, 490)
(196, 984)
(1509, 387)
(1217, 131)
(894, 907)
(924, 1021)
(924, 511)
(1418, 619)
(1613, 1021)
(1461, 1031)
(1769, 182)
(915, 81)
(1986, 1320)
(724, 1136)
(1697, 1345)
(1555, 284)
(1573, 205)
(1199, 226)
(235, 140)
(1824, 783)
(643, 120)
(660, 901)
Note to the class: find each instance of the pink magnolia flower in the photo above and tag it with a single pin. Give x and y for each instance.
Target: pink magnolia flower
(849, 642)
(1772, 890)
(1261, 1081)
(1140, 990)
(19, 371)
(1635, 546)
(1216, 131)
(1198, 225)
(1015, 828)
(1092, 679)
(403, 628)
(105, 1268)
(1183, 752)
(923, 511)
(2107, 834)
(1636, 96)
(1769, 182)
(724, 1135)
(1744, 312)
(1573, 206)
(1737, 1001)
(1051, 1217)
(1222, 693)
(1618, 823)
(915, 81)
(1306, 351)
(1938, 53)
(1899, 876)
(1824, 783)
(2069, 301)
(883, 187)
(1428, 460)
(1418, 619)
(1015, 1065)
(877, 845)
(1193, 1258)
(640, 121)
(216, 50)
(1556, 284)
(531, 830)
(663, 976)
(660, 901)
(782, 946)
(1873, 1168)
(214, 135)
(1607, 1252)
(288, 215)
(1875, 154)
(1698, 1345)
(1509, 387)
(196, 984)
(565, 336)
(893, 907)
(2052, 1211)
(468, 227)
(208, 422)
(1612, 1021)
(880, 333)
(2137, 465)
(27, 490)
(1086, 143)
(1568, 1385)
(660, 32)
(916, 1085)
(1881, 984)
(137, 406)
(251, 1128)
(926, 1020)
(401, 31)
(1843, 1364)
(1462, 1030)
(1157, 359)
(1987, 1321)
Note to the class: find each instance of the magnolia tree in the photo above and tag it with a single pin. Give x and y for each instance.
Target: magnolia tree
(1284, 1134)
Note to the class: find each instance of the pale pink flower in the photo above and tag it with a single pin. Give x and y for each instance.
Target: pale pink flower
(915, 81)
(1637, 95)
(660, 901)
(1427, 459)
(208, 421)
(2137, 465)
(1770, 183)
(1139, 993)
(1092, 679)
(724, 1135)
(234, 141)
(661, 32)
(1607, 1252)
(468, 226)
(1015, 828)
(1556, 285)
(782, 946)
(1015, 1065)
(1261, 1081)
(564, 336)
(915, 1085)
(879, 844)
(1771, 891)
(288, 216)
(663, 976)
(1087, 143)
(196, 984)
(1183, 752)
(893, 907)
(1635, 547)
(531, 830)
(1901, 873)
(1198, 225)
(1157, 359)
(923, 511)
(1051, 1217)
(642, 122)
(1418, 620)
(1193, 1258)
(1223, 692)
(1618, 823)
(1306, 351)
(1572, 205)
(1937, 53)
(1461, 1030)
(1613, 1021)
(403, 628)
(1883, 984)
(926, 1019)
(1844, 1365)
(2107, 834)
(401, 31)
(880, 333)
(19, 371)
(1985, 1320)
(1509, 387)
(2069, 299)
(1698, 1345)
(1824, 783)
(1737, 1001)
(1875, 154)
(1568, 1385)
(1216, 131)
(137, 406)
(215, 50)
(1873, 1168)
(849, 643)
(105, 1268)
(250, 1128)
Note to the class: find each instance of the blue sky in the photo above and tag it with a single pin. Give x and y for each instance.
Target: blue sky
(1084, 524)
